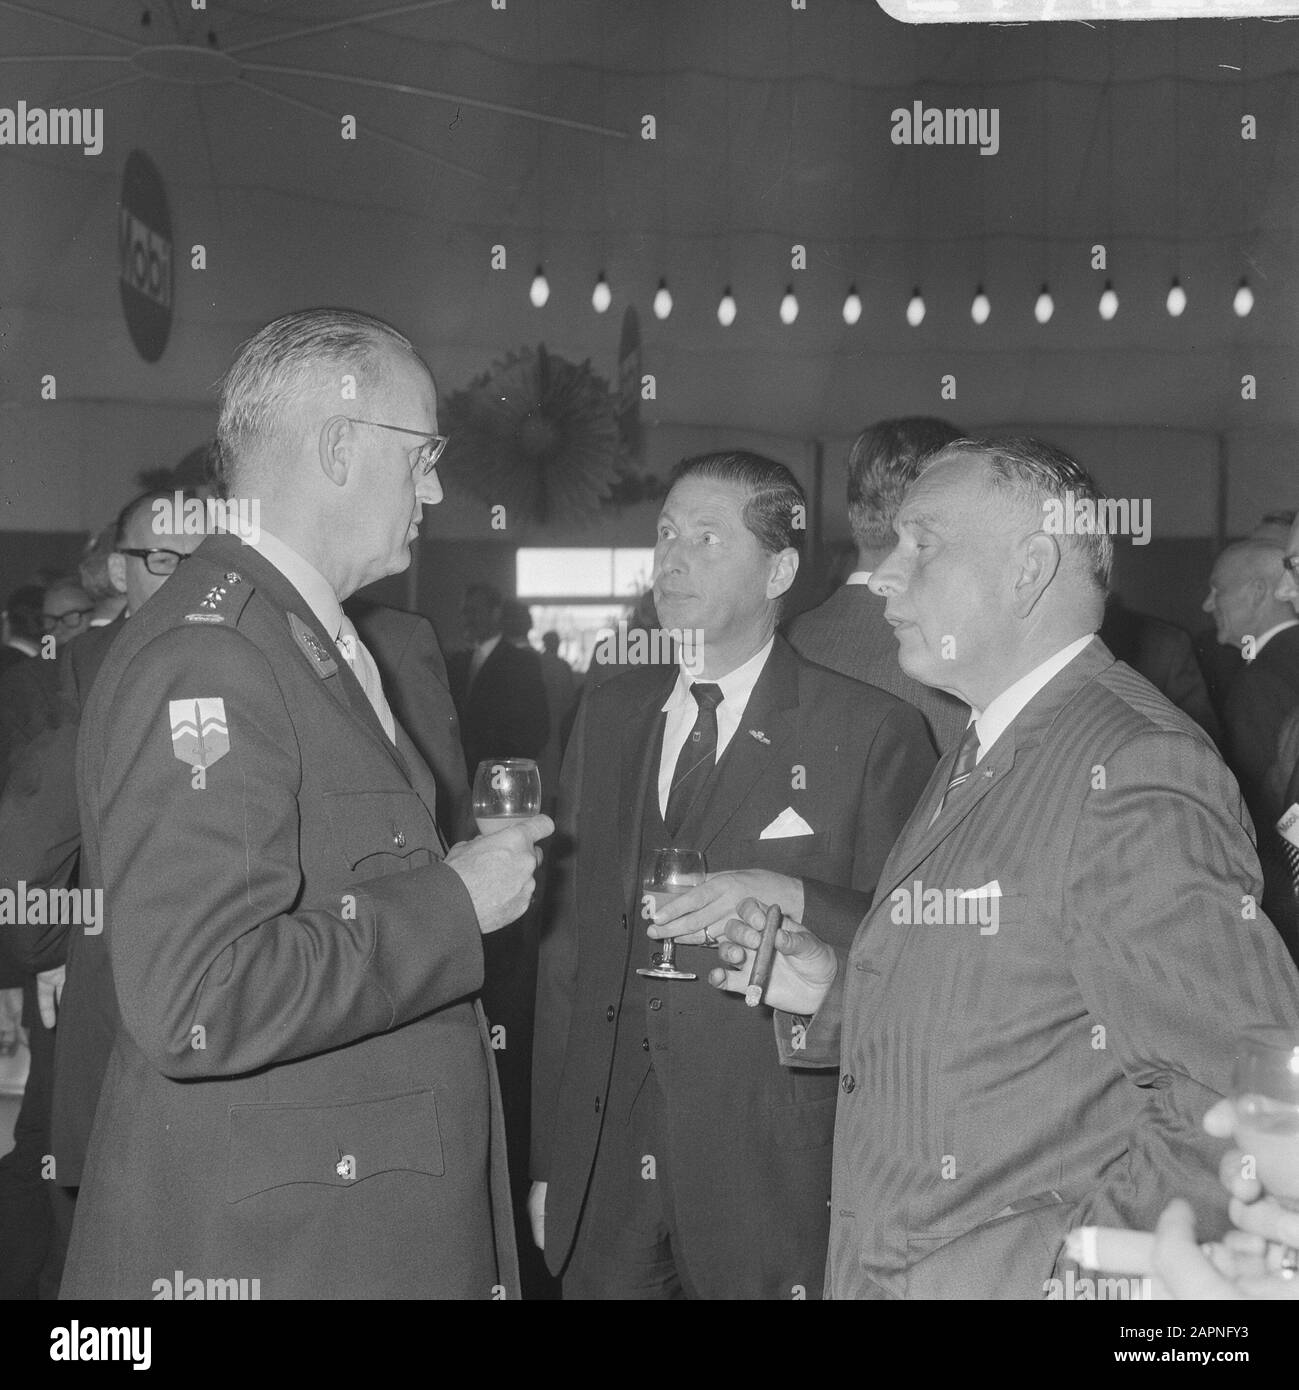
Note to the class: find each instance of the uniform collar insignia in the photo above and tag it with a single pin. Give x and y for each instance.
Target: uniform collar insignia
(312, 647)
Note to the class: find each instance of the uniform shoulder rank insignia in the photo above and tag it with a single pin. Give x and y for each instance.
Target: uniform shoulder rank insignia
(199, 733)
(313, 648)
(208, 608)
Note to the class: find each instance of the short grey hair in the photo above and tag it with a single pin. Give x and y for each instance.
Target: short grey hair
(883, 462)
(1036, 473)
(281, 363)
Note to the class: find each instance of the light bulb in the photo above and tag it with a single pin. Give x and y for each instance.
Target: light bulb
(981, 307)
(1244, 300)
(852, 305)
(1109, 305)
(540, 291)
(1176, 299)
(788, 307)
(726, 309)
(662, 301)
(916, 309)
(602, 295)
(1044, 307)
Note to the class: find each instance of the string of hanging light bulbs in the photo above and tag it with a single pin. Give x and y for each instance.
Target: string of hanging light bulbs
(980, 307)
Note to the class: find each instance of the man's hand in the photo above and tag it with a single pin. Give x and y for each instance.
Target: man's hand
(537, 1213)
(11, 1012)
(1240, 1266)
(49, 991)
(698, 915)
(802, 971)
(498, 870)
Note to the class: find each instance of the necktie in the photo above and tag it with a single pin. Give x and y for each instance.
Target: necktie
(966, 756)
(366, 672)
(1288, 827)
(697, 757)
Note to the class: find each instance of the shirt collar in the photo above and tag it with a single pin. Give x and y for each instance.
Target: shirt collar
(487, 646)
(992, 722)
(315, 589)
(859, 577)
(736, 685)
(1266, 637)
(21, 644)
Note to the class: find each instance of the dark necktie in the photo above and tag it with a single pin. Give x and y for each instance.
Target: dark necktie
(966, 756)
(697, 756)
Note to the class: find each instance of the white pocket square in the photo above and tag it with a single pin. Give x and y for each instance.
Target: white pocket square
(787, 824)
(989, 890)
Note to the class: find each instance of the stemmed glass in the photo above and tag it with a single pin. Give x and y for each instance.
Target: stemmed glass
(671, 871)
(1265, 1092)
(505, 790)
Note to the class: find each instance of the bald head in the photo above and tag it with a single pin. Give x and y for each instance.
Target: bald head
(1244, 591)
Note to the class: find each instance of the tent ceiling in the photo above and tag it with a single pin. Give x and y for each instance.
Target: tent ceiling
(522, 127)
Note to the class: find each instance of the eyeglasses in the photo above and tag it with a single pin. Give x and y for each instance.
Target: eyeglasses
(1291, 562)
(156, 560)
(429, 452)
(68, 619)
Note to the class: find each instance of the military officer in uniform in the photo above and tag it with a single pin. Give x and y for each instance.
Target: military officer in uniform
(301, 1088)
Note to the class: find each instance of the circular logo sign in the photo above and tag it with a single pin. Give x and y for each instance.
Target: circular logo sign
(144, 256)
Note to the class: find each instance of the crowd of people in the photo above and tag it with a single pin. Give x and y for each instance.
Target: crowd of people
(1031, 852)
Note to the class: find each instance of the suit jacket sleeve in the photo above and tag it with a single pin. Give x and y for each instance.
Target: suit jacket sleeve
(204, 924)
(1258, 705)
(1172, 962)
(557, 955)
(897, 771)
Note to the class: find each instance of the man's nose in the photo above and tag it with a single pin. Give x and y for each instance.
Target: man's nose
(888, 579)
(429, 489)
(1207, 605)
(1285, 588)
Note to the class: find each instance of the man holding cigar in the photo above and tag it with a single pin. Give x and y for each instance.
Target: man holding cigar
(1005, 1083)
(650, 1095)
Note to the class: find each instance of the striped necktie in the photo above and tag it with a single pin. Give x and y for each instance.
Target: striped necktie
(697, 757)
(966, 756)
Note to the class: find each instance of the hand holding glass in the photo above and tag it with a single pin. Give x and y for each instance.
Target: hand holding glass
(671, 871)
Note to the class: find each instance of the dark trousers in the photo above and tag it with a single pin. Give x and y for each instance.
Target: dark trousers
(626, 1246)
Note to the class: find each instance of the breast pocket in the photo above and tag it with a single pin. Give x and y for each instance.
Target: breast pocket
(788, 849)
(334, 1145)
(379, 832)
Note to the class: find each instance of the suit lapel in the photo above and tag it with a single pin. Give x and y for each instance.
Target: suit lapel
(642, 743)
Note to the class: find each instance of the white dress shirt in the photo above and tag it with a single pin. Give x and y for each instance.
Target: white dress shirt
(1261, 642)
(682, 709)
(992, 722)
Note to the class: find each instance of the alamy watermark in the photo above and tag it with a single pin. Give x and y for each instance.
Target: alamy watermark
(951, 125)
(52, 907)
(59, 125)
(659, 646)
(179, 515)
(1105, 516)
(918, 906)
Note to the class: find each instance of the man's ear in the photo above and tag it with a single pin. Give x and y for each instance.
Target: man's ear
(783, 571)
(117, 572)
(1040, 564)
(336, 449)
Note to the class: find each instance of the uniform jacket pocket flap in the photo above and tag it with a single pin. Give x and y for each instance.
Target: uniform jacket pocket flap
(393, 823)
(336, 1145)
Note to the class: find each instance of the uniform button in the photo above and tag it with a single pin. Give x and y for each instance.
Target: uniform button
(644, 1044)
(399, 840)
(608, 1013)
(656, 1003)
(849, 1085)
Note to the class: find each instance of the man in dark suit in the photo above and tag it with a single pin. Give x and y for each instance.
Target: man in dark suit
(651, 1095)
(40, 840)
(21, 626)
(847, 632)
(1165, 655)
(301, 1088)
(1065, 943)
(1249, 614)
(498, 688)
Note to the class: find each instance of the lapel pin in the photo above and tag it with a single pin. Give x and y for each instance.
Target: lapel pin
(759, 735)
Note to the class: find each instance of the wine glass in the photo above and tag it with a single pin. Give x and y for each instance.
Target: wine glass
(505, 790)
(671, 871)
(1265, 1092)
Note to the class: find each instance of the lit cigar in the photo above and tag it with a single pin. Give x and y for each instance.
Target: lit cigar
(1109, 1248)
(762, 961)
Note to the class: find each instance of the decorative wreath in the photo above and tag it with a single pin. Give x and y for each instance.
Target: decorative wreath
(536, 434)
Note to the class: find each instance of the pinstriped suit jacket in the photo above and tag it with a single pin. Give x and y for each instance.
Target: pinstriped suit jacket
(1002, 1086)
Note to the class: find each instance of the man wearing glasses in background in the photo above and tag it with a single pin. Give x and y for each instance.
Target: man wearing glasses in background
(66, 611)
(40, 838)
(301, 1089)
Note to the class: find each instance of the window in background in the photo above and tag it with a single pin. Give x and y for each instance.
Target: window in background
(580, 591)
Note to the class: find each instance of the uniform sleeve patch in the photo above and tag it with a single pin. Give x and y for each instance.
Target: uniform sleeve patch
(199, 733)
